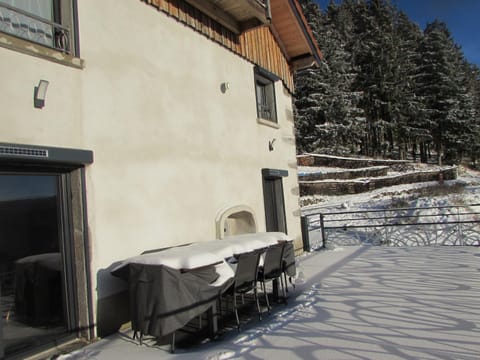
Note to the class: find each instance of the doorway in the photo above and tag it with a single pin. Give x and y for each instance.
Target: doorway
(274, 201)
(37, 294)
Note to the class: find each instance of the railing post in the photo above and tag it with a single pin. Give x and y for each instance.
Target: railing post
(385, 242)
(305, 233)
(322, 227)
(460, 234)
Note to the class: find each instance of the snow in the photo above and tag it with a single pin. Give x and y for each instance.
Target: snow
(225, 273)
(310, 170)
(183, 257)
(352, 303)
(383, 197)
(439, 214)
(206, 253)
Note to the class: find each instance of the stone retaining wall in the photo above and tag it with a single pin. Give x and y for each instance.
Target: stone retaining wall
(349, 163)
(347, 174)
(355, 187)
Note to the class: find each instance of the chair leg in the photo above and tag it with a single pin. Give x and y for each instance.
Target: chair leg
(266, 296)
(283, 289)
(172, 349)
(220, 307)
(236, 310)
(255, 292)
(285, 278)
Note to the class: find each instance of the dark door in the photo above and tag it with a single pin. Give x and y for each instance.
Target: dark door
(33, 294)
(274, 203)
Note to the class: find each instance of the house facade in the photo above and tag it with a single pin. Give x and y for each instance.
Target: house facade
(130, 126)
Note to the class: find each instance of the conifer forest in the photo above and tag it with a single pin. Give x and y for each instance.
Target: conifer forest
(386, 87)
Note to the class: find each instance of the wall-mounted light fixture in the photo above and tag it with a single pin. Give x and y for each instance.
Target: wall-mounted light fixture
(270, 144)
(39, 94)
(224, 87)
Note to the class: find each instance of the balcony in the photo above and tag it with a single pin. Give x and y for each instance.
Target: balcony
(28, 26)
(236, 15)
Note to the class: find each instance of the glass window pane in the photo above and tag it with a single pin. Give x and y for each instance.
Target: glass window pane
(31, 265)
(265, 94)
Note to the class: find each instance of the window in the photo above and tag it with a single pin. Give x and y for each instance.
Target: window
(265, 94)
(46, 22)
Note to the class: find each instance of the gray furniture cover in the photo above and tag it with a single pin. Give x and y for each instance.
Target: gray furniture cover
(163, 300)
(38, 289)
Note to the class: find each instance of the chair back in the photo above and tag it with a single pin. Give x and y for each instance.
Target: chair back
(273, 262)
(246, 271)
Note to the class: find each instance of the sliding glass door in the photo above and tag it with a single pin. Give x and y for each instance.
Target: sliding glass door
(35, 300)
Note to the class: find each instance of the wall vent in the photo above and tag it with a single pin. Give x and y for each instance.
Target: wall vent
(27, 152)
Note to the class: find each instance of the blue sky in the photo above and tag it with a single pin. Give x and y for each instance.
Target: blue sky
(461, 16)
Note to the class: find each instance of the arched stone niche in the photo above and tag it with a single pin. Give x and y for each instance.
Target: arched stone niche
(235, 220)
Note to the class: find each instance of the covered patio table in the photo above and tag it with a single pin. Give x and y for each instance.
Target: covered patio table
(170, 287)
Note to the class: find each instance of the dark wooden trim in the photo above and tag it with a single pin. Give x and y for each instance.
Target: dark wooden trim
(274, 173)
(42, 154)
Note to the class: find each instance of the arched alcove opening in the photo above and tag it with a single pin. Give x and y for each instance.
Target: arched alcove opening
(235, 220)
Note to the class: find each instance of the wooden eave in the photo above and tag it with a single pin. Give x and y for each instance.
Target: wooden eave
(236, 15)
(296, 37)
(259, 45)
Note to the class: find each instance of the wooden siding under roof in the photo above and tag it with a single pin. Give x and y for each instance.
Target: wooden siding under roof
(297, 38)
(257, 45)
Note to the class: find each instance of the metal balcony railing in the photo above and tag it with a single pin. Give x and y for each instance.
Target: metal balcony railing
(264, 111)
(22, 24)
(442, 225)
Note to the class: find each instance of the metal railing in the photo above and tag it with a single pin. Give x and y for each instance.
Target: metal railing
(31, 27)
(440, 225)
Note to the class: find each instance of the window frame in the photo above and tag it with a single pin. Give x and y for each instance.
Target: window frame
(274, 199)
(64, 16)
(68, 165)
(265, 81)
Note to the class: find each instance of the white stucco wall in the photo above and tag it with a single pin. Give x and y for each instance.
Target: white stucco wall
(170, 149)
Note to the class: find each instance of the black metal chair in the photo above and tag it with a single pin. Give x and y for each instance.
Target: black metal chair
(245, 280)
(289, 264)
(272, 269)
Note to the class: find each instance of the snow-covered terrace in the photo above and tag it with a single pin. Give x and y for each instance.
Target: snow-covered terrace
(360, 302)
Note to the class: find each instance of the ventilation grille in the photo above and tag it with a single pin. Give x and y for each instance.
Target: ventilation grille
(27, 152)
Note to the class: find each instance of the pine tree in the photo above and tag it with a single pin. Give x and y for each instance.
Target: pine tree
(376, 60)
(407, 106)
(438, 86)
(474, 88)
(327, 110)
(394, 88)
(464, 130)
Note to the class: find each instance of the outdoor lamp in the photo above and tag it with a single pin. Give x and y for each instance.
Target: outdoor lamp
(39, 94)
(224, 87)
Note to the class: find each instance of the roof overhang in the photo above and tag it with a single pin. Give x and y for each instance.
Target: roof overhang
(235, 15)
(291, 27)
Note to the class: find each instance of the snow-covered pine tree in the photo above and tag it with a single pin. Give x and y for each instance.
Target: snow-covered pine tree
(375, 55)
(462, 128)
(407, 108)
(438, 85)
(474, 86)
(326, 108)
(392, 87)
